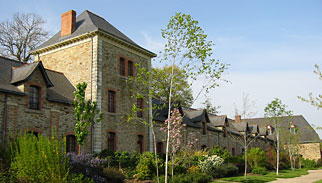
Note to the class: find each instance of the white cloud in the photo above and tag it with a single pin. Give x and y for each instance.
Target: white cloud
(151, 44)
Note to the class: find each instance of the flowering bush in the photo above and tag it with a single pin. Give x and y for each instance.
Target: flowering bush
(87, 165)
(209, 164)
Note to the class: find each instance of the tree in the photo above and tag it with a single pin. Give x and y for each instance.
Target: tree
(315, 101)
(290, 138)
(160, 83)
(186, 47)
(85, 113)
(247, 138)
(275, 111)
(21, 35)
(210, 108)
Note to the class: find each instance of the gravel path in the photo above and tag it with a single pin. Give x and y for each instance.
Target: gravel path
(313, 176)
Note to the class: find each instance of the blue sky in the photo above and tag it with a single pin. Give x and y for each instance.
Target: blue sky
(271, 46)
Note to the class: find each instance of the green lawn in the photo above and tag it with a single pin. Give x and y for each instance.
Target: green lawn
(265, 178)
(319, 181)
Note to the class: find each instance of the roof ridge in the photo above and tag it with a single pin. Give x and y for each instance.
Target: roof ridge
(54, 71)
(93, 14)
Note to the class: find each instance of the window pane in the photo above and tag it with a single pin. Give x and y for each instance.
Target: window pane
(122, 66)
(130, 68)
(111, 101)
(140, 144)
(34, 98)
(70, 143)
(139, 105)
(111, 141)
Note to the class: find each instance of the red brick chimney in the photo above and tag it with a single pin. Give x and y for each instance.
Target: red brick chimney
(237, 119)
(68, 22)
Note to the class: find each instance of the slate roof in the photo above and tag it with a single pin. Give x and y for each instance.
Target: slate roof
(12, 72)
(23, 72)
(217, 121)
(306, 133)
(197, 115)
(88, 22)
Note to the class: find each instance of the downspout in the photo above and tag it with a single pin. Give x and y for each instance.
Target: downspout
(4, 120)
(92, 126)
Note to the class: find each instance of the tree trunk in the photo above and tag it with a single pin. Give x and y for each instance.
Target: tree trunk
(278, 151)
(168, 133)
(79, 149)
(246, 150)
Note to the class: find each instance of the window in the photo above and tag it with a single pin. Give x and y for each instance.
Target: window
(139, 105)
(34, 97)
(160, 147)
(122, 66)
(225, 132)
(130, 68)
(140, 144)
(203, 147)
(111, 141)
(71, 143)
(111, 101)
(204, 128)
(233, 151)
(33, 133)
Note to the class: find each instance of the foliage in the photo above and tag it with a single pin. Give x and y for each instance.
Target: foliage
(79, 178)
(87, 165)
(271, 159)
(210, 108)
(21, 35)
(191, 178)
(223, 153)
(210, 163)
(256, 157)
(276, 109)
(113, 175)
(225, 170)
(146, 166)
(39, 159)
(126, 159)
(309, 164)
(182, 92)
(85, 113)
(193, 169)
(315, 101)
(186, 47)
(259, 170)
(174, 127)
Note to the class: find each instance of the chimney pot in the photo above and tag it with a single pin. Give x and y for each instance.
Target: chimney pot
(237, 119)
(68, 22)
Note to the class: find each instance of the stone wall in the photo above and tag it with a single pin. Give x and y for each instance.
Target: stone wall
(310, 151)
(52, 116)
(74, 60)
(126, 132)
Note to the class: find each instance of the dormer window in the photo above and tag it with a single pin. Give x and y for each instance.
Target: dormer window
(270, 130)
(34, 102)
(292, 128)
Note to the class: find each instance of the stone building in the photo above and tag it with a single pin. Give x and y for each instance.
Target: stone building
(37, 97)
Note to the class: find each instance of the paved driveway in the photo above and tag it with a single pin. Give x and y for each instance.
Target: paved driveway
(313, 176)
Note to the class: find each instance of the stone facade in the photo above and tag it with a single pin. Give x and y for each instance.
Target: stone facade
(310, 151)
(52, 117)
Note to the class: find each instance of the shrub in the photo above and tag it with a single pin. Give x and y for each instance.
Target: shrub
(220, 152)
(126, 159)
(146, 167)
(256, 158)
(39, 159)
(88, 165)
(225, 170)
(193, 169)
(191, 178)
(310, 164)
(259, 170)
(79, 178)
(210, 163)
(113, 175)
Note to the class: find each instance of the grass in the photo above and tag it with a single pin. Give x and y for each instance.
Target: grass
(319, 181)
(271, 176)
